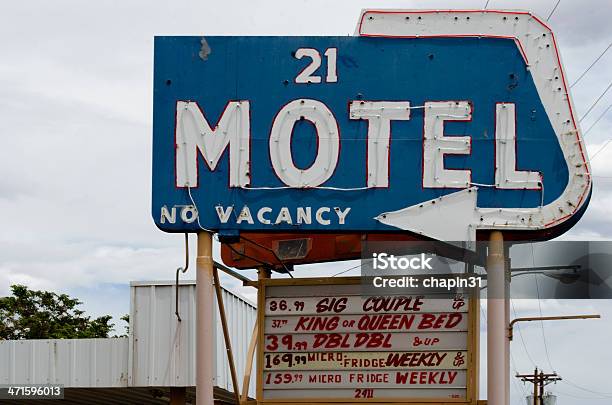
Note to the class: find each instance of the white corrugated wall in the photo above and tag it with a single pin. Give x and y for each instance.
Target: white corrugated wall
(71, 362)
(163, 349)
(160, 350)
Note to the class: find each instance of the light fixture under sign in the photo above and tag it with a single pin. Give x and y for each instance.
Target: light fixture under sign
(292, 249)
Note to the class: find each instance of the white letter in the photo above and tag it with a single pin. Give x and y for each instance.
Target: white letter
(319, 216)
(189, 214)
(260, 215)
(304, 215)
(506, 175)
(168, 215)
(342, 214)
(425, 262)
(436, 145)
(328, 141)
(245, 215)
(284, 216)
(382, 260)
(379, 115)
(223, 214)
(194, 133)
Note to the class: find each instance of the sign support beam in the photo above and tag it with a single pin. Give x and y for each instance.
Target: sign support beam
(496, 321)
(204, 320)
(262, 275)
(507, 281)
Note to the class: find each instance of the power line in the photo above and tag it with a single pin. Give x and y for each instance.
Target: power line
(600, 149)
(592, 64)
(513, 365)
(597, 120)
(542, 322)
(556, 391)
(521, 335)
(347, 270)
(540, 307)
(603, 394)
(553, 10)
(595, 103)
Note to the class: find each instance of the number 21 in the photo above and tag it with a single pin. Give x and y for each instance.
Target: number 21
(307, 74)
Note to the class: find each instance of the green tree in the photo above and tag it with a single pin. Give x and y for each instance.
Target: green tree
(30, 314)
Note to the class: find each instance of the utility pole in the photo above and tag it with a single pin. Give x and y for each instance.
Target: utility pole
(539, 381)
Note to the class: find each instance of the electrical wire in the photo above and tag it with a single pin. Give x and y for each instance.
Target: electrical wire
(565, 379)
(347, 270)
(246, 256)
(595, 103)
(580, 397)
(542, 324)
(241, 237)
(540, 308)
(306, 188)
(553, 10)
(603, 394)
(597, 120)
(197, 211)
(592, 64)
(521, 388)
(556, 391)
(518, 328)
(601, 149)
(271, 251)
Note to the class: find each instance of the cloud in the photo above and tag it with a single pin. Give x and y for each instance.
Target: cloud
(75, 123)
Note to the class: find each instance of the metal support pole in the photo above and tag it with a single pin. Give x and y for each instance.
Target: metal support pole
(546, 318)
(204, 321)
(507, 280)
(496, 318)
(262, 274)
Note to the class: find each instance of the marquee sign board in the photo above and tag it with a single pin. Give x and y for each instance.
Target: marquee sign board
(437, 122)
(329, 340)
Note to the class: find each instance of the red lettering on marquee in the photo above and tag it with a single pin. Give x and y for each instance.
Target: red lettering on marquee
(392, 304)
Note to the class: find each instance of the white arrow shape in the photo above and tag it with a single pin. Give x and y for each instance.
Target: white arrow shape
(536, 43)
(452, 217)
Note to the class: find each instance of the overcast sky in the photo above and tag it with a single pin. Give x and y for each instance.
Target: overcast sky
(75, 167)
